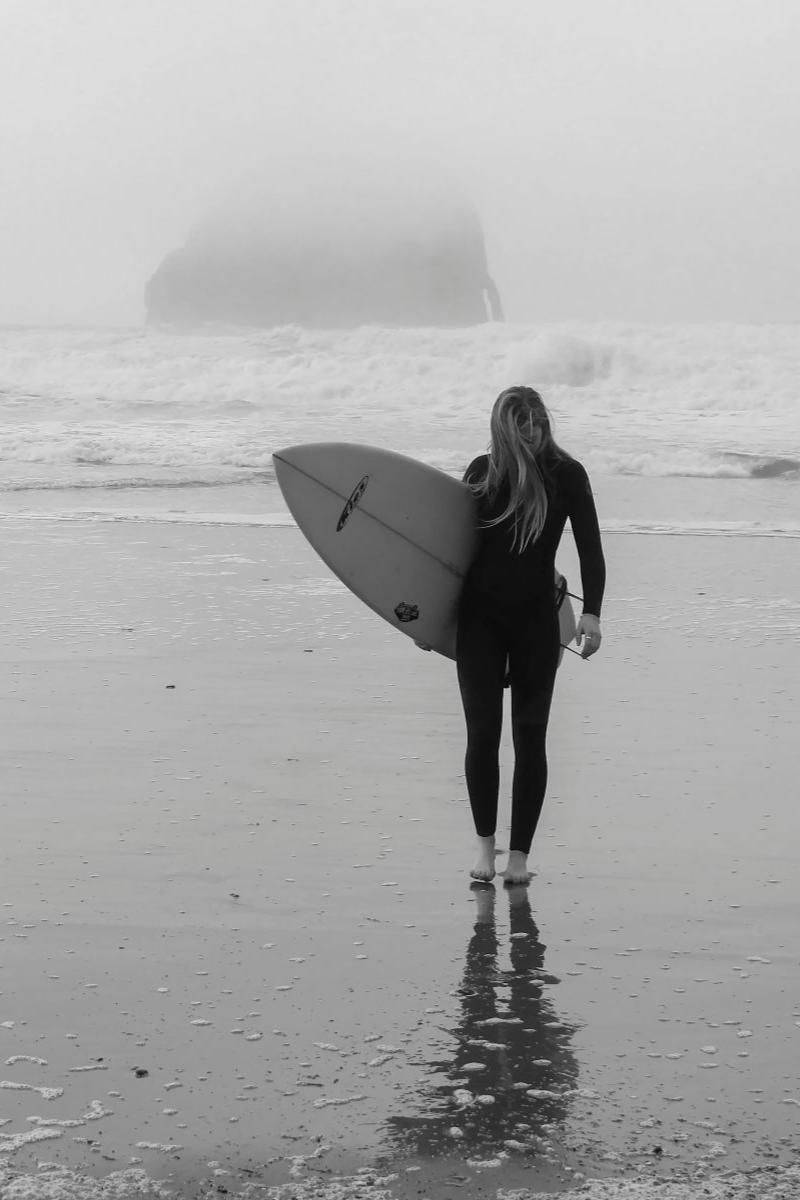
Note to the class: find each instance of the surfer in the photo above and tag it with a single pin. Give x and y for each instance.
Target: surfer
(526, 488)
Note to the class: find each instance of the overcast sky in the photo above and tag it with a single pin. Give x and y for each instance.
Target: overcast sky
(631, 159)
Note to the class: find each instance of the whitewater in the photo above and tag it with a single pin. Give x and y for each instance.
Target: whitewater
(684, 428)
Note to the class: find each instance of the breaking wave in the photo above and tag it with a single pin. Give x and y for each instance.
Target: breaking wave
(702, 401)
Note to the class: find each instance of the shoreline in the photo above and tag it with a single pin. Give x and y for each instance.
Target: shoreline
(647, 505)
(222, 776)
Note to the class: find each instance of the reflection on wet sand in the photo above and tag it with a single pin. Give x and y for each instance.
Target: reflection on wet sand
(507, 1084)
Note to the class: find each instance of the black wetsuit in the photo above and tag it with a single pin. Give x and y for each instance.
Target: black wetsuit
(508, 612)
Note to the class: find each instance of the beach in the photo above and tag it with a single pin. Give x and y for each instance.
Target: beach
(317, 246)
(240, 948)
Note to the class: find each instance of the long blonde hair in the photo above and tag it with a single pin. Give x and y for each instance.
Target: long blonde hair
(522, 438)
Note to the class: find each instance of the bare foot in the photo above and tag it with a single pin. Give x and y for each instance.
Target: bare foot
(517, 869)
(484, 870)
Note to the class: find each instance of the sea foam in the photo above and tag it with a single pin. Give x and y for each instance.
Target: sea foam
(705, 400)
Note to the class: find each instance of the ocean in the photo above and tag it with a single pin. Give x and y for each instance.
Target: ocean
(683, 428)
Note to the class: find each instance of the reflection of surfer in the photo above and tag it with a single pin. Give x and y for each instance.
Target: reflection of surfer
(513, 1061)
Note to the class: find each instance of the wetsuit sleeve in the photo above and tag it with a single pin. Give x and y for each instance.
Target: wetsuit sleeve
(586, 529)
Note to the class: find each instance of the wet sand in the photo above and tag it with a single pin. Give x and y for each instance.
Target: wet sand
(239, 945)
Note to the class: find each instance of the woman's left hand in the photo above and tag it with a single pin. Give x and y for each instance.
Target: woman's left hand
(588, 631)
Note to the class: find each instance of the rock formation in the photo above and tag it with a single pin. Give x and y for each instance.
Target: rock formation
(335, 267)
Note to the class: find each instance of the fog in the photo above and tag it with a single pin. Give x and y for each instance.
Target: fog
(630, 160)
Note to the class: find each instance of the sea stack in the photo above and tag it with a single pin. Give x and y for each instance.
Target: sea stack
(331, 259)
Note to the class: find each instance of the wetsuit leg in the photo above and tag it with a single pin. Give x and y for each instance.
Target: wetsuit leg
(533, 659)
(481, 653)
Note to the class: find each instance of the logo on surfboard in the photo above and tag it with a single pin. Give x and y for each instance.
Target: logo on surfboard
(406, 613)
(353, 500)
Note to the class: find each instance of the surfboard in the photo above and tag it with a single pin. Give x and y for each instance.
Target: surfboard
(400, 534)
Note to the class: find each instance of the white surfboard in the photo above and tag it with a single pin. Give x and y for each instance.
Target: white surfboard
(400, 534)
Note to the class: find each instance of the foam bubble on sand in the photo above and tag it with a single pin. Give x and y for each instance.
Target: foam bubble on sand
(482, 1164)
(11, 1142)
(770, 1183)
(324, 1102)
(52, 1182)
(95, 1112)
(501, 1021)
(65, 1123)
(299, 1161)
(45, 1092)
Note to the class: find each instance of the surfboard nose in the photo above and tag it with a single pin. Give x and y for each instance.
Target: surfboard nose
(307, 452)
(314, 458)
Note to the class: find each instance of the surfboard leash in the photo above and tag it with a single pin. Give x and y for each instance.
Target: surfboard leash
(563, 644)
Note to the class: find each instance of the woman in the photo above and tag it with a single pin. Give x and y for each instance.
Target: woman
(525, 488)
